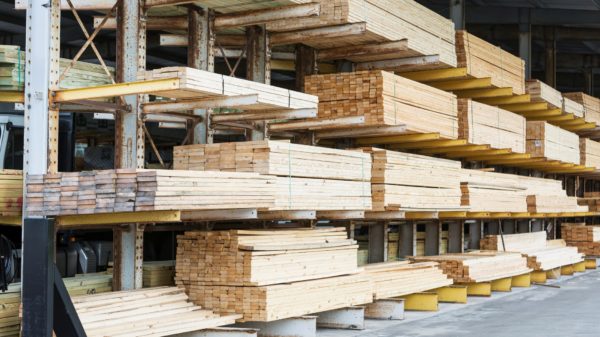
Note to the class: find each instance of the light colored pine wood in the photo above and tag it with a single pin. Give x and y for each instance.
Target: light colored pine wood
(585, 238)
(591, 105)
(11, 192)
(552, 142)
(589, 152)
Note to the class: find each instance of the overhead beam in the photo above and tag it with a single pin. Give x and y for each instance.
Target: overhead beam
(400, 63)
(330, 32)
(319, 124)
(202, 103)
(262, 16)
(382, 51)
(181, 40)
(264, 115)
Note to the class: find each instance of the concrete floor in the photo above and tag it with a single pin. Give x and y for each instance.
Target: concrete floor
(571, 311)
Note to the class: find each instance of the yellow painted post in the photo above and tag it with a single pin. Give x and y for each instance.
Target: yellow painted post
(567, 270)
(539, 276)
(591, 263)
(479, 289)
(503, 284)
(579, 267)
(522, 281)
(452, 294)
(421, 302)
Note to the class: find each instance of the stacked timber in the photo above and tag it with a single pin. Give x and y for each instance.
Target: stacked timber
(404, 181)
(158, 273)
(585, 238)
(492, 192)
(11, 192)
(393, 279)
(163, 311)
(543, 93)
(307, 177)
(540, 254)
(479, 123)
(589, 151)
(572, 107)
(267, 275)
(423, 31)
(591, 105)
(551, 142)
(131, 190)
(482, 60)
(385, 99)
(591, 200)
(539, 203)
(477, 267)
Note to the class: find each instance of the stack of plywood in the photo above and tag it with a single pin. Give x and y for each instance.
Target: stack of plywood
(585, 238)
(267, 275)
(393, 279)
(589, 151)
(479, 266)
(11, 192)
(485, 60)
(552, 142)
(492, 192)
(158, 273)
(479, 123)
(163, 311)
(385, 99)
(409, 181)
(591, 105)
(425, 32)
(308, 177)
(543, 93)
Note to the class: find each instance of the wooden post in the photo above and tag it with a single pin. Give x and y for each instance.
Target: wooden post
(258, 65)
(306, 64)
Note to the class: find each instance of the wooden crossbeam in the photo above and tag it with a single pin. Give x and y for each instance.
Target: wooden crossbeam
(202, 103)
(113, 90)
(399, 63)
(419, 137)
(329, 32)
(181, 40)
(262, 16)
(484, 93)
(319, 124)
(179, 22)
(463, 84)
(516, 99)
(12, 97)
(362, 132)
(382, 51)
(265, 115)
(436, 74)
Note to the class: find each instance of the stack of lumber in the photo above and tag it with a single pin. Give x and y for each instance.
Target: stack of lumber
(308, 177)
(158, 273)
(393, 279)
(572, 107)
(541, 254)
(425, 32)
(552, 142)
(492, 192)
(589, 151)
(591, 200)
(129, 190)
(11, 192)
(267, 275)
(404, 181)
(385, 99)
(591, 105)
(479, 123)
(543, 93)
(485, 60)
(479, 266)
(585, 238)
(82, 74)
(538, 203)
(163, 311)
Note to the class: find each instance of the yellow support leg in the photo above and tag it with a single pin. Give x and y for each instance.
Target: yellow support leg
(539, 276)
(421, 302)
(579, 267)
(522, 281)
(553, 273)
(503, 284)
(479, 289)
(591, 264)
(567, 270)
(452, 294)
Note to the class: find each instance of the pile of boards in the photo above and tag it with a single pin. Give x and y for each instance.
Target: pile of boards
(10, 301)
(585, 238)
(158, 273)
(477, 266)
(548, 141)
(162, 311)
(385, 99)
(267, 275)
(589, 151)
(591, 105)
(590, 200)
(540, 253)
(480, 123)
(305, 177)
(541, 92)
(130, 190)
(424, 31)
(82, 74)
(484, 60)
(11, 192)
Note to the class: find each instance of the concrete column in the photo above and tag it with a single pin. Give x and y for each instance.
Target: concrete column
(455, 237)
(377, 242)
(475, 233)
(523, 226)
(508, 227)
(525, 39)
(408, 239)
(457, 13)
(432, 238)
(306, 64)
(493, 228)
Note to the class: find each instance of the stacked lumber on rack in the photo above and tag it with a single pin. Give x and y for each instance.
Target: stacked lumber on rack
(267, 275)
(163, 311)
(538, 203)
(572, 107)
(591, 105)
(492, 192)
(543, 93)
(158, 273)
(585, 238)
(589, 151)
(404, 181)
(11, 192)
(552, 142)
(477, 267)
(130, 190)
(485, 60)
(385, 99)
(591, 200)
(423, 31)
(541, 254)
(308, 177)
(479, 123)
(393, 279)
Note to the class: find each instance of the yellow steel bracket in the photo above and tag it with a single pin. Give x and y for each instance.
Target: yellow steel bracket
(522, 281)
(452, 294)
(421, 302)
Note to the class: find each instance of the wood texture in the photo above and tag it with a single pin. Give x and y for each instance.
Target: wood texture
(11, 192)
(591, 105)
(585, 238)
(492, 192)
(158, 273)
(552, 142)
(589, 152)
(542, 92)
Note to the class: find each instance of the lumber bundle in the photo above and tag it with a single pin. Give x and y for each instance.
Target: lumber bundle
(589, 151)
(11, 192)
(158, 273)
(263, 257)
(492, 192)
(130, 190)
(552, 142)
(162, 311)
(404, 181)
(393, 279)
(479, 123)
(552, 204)
(82, 74)
(543, 93)
(585, 238)
(424, 31)
(477, 267)
(591, 105)
(385, 99)
(514, 242)
(572, 107)
(482, 60)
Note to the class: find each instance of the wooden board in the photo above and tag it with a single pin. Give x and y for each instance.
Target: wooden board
(585, 238)
(492, 192)
(552, 142)
(542, 92)
(158, 273)
(11, 192)
(591, 105)
(589, 151)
